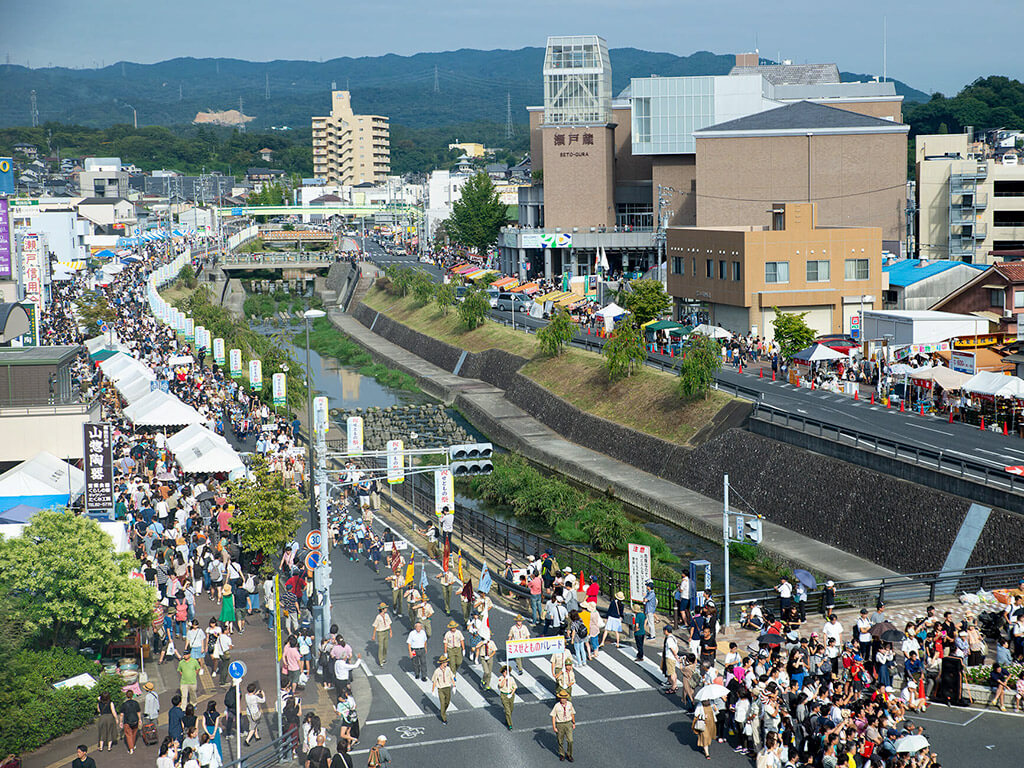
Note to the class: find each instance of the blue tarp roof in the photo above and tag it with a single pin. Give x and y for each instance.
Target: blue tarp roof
(910, 271)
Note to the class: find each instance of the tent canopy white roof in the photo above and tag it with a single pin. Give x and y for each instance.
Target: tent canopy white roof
(192, 434)
(994, 385)
(941, 376)
(712, 331)
(816, 353)
(160, 409)
(612, 310)
(134, 388)
(42, 475)
(209, 457)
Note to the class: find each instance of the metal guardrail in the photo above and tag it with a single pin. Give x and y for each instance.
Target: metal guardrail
(274, 753)
(924, 457)
(353, 281)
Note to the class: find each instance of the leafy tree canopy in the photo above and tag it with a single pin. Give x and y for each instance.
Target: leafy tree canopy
(556, 334)
(477, 216)
(792, 333)
(474, 308)
(80, 590)
(624, 352)
(698, 366)
(647, 300)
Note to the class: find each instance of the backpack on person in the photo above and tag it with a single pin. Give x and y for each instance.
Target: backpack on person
(374, 758)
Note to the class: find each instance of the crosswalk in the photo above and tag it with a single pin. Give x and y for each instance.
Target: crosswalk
(397, 695)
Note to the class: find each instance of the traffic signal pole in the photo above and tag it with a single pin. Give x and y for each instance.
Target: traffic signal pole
(725, 544)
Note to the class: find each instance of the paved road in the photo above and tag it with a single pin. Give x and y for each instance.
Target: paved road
(955, 441)
(615, 697)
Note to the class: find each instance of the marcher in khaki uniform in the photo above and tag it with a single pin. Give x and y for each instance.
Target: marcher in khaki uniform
(447, 581)
(507, 687)
(412, 599)
(382, 633)
(519, 631)
(565, 679)
(454, 646)
(395, 581)
(563, 721)
(558, 661)
(442, 682)
(424, 610)
(485, 652)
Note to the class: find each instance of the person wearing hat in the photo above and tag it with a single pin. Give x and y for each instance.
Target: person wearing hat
(519, 631)
(563, 721)
(454, 647)
(828, 598)
(566, 678)
(424, 610)
(507, 687)
(447, 581)
(441, 683)
(150, 704)
(395, 582)
(485, 652)
(613, 618)
(382, 632)
(379, 756)
(412, 599)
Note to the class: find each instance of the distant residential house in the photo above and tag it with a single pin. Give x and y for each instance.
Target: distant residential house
(919, 283)
(111, 213)
(996, 294)
(266, 154)
(263, 174)
(28, 150)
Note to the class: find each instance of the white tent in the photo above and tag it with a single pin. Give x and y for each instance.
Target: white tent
(994, 385)
(121, 366)
(43, 475)
(163, 410)
(610, 314)
(817, 353)
(198, 449)
(712, 331)
(941, 377)
(191, 434)
(134, 388)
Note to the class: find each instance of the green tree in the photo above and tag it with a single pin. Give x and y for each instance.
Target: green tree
(422, 287)
(697, 369)
(474, 308)
(81, 590)
(647, 300)
(792, 333)
(556, 334)
(92, 307)
(187, 275)
(624, 352)
(267, 513)
(477, 216)
(444, 297)
(401, 278)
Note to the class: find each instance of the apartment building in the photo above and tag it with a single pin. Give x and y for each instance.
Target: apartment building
(969, 208)
(350, 149)
(740, 275)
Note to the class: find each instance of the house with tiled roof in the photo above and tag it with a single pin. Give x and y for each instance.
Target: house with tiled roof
(919, 283)
(996, 294)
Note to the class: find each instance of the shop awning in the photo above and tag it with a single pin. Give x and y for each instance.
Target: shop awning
(991, 384)
(526, 288)
(941, 376)
(504, 283)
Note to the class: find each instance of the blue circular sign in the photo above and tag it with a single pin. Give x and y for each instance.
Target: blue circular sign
(237, 670)
(313, 560)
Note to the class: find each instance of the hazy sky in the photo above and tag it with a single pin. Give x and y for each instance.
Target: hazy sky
(932, 44)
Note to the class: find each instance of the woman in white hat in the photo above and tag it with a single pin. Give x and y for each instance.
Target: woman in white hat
(613, 618)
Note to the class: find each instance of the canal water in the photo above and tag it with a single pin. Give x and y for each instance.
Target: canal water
(346, 390)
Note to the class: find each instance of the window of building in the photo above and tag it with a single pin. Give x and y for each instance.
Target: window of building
(678, 266)
(996, 296)
(634, 215)
(711, 268)
(642, 118)
(776, 271)
(693, 266)
(722, 273)
(736, 270)
(857, 269)
(817, 271)
(1018, 299)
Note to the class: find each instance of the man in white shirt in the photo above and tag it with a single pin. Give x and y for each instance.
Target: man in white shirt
(833, 629)
(863, 630)
(417, 642)
(670, 658)
(785, 590)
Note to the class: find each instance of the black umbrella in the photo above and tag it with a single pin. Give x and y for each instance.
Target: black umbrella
(770, 639)
(206, 496)
(882, 627)
(892, 636)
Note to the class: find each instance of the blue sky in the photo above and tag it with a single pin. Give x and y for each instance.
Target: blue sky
(933, 45)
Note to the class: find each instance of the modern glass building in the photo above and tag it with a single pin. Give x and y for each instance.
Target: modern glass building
(667, 110)
(577, 81)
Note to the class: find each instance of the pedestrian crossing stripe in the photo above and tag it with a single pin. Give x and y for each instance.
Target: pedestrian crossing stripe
(467, 690)
(605, 686)
(621, 671)
(544, 665)
(398, 695)
(649, 665)
(528, 681)
(432, 695)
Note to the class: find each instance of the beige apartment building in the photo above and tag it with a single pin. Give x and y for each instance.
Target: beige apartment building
(350, 149)
(968, 209)
(741, 274)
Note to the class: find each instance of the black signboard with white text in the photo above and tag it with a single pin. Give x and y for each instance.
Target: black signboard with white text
(99, 467)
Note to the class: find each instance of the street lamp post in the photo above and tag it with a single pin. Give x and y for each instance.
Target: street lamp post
(316, 521)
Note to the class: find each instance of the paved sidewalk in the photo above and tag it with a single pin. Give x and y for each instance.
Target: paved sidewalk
(255, 647)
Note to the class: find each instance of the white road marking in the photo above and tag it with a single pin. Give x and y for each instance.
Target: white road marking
(544, 665)
(425, 687)
(399, 696)
(623, 672)
(468, 690)
(594, 678)
(525, 679)
(930, 429)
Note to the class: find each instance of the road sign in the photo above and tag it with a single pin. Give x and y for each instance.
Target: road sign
(313, 560)
(237, 670)
(639, 570)
(313, 539)
(1016, 470)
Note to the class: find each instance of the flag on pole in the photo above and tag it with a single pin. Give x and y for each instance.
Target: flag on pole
(485, 579)
(446, 555)
(461, 577)
(410, 569)
(395, 559)
(423, 577)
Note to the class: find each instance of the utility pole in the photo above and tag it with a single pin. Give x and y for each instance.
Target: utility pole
(510, 130)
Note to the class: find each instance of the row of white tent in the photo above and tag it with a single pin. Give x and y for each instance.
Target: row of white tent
(986, 383)
(196, 448)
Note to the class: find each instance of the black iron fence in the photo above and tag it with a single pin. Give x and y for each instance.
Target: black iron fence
(274, 753)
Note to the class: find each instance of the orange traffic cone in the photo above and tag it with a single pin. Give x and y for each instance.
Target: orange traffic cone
(741, 367)
(812, 384)
(856, 394)
(887, 403)
(922, 409)
(760, 372)
(901, 406)
(982, 423)
(872, 398)
(951, 417)
(1005, 430)
(773, 375)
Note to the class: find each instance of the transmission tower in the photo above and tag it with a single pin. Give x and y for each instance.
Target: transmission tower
(34, 108)
(437, 84)
(510, 129)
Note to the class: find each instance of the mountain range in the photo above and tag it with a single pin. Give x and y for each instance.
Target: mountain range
(426, 89)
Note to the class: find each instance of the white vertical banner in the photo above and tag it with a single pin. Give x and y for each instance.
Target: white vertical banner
(396, 462)
(320, 408)
(200, 337)
(444, 490)
(236, 363)
(256, 375)
(190, 329)
(279, 383)
(218, 351)
(639, 570)
(354, 433)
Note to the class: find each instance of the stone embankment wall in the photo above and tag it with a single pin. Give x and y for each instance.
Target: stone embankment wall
(902, 525)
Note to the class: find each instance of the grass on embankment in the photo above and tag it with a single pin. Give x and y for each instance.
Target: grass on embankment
(647, 401)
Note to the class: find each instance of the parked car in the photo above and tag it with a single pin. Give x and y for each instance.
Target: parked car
(840, 342)
(512, 302)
